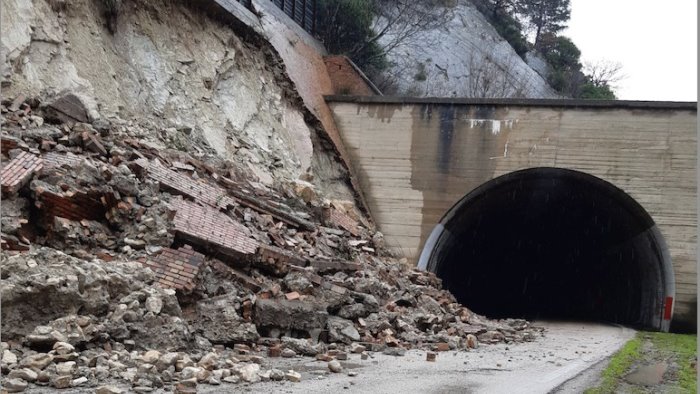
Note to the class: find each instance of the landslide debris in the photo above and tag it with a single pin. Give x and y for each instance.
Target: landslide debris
(126, 267)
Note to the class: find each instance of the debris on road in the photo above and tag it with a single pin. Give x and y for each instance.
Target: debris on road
(160, 269)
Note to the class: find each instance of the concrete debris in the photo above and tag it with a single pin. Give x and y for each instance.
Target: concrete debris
(145, 268)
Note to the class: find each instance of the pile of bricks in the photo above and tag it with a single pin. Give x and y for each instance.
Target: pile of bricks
(19, 171)
(210, 227)
(176, 269)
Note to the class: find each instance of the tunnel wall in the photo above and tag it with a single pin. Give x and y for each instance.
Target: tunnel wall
(417, 157)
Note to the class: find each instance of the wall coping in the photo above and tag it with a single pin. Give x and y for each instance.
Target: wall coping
(518, 102)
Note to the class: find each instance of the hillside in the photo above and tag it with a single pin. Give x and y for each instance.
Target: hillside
(463, 58)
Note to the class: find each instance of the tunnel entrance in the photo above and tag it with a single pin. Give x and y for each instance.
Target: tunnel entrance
(554, 243)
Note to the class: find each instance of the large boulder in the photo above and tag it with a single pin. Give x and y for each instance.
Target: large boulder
(219, 322)
(290, 315)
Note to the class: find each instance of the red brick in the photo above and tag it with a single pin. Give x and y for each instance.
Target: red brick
(173, 268)
(335, 218)
(212, 227)
(19, 171)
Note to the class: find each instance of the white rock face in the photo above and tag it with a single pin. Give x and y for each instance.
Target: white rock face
(464, 58)
(190, 81)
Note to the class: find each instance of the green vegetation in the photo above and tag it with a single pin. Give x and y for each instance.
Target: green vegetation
(500, 15)
(421, 75)
(619, 364)
(684, 347)
(366, 30)
(647, 348)
(345, 27)
(545, 19)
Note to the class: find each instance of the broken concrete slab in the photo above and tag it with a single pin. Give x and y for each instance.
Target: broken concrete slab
(288, 315)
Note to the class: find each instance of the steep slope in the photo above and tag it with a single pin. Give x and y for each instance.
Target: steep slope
(199, 87)
(463, 58)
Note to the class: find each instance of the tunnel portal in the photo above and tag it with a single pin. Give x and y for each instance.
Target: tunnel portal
(554, 243)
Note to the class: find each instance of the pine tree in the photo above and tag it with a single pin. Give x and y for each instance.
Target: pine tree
(546, 16)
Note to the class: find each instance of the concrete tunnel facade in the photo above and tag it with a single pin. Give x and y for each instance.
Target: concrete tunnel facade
(537, 208)
(572, 245)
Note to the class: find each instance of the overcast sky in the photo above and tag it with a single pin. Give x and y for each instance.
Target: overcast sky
(655, 41)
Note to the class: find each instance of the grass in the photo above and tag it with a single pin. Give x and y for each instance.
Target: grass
(619, 364)
(685, 349)
(681, 348)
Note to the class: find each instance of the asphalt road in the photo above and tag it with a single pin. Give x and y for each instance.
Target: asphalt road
(566, 350)
(562, 360)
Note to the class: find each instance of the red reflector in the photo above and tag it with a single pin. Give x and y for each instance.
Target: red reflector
(667, 308)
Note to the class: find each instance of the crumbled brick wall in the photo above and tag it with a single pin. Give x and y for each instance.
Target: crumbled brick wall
(334, 217)
(55, 159)
(176, 269)
(19, 171)
(344, 77)
(212, 228)
(70, 205)
(185, 185)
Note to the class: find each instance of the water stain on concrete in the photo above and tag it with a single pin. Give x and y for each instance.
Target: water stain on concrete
(451, 154)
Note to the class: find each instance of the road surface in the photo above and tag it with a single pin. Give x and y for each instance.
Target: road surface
(566, 350)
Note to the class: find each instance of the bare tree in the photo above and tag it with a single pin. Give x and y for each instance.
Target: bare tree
(397, 22)
(487, 79)
(604, 73)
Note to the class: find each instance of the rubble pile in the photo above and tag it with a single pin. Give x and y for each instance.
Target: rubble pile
(129, 265)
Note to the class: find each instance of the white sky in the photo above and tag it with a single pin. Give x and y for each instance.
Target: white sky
(655, 41)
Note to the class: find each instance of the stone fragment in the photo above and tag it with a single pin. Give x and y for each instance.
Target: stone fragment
(37, 361)
(8, 358)
(63, 348)
(342, 330)
(288, 353)
(66, 368)
(14, 385)
(219, 322)
(108, 390)
(334, 366)
(166, 360)
(154, 304)
(62, 381)
(66, 108)
(249, 373)
(276, 374)
(430, 356)
(151, 357)
(189, 372)
(394, 351)
(293, 376)
(209, 361)
(23, 373)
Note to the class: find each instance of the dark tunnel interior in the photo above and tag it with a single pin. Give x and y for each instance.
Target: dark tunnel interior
(550, 243)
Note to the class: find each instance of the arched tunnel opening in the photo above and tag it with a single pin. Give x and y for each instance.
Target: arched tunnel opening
(552, 243)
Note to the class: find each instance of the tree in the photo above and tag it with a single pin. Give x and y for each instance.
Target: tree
(545, 16)
(366, 30)
(604, 73)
